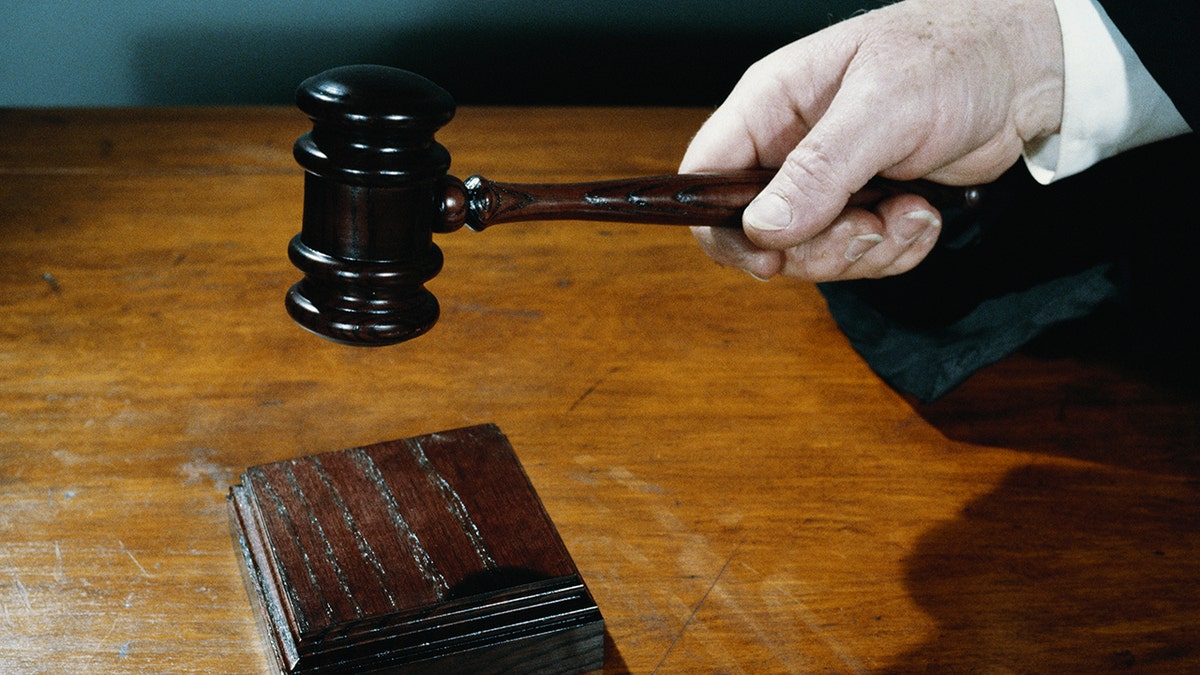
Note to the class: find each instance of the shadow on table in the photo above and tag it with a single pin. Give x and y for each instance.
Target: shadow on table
(1071, 566)
(1087, 391)
(614, 663)
(1063, 569)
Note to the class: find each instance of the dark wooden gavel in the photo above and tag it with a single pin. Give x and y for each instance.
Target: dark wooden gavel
(376, 189)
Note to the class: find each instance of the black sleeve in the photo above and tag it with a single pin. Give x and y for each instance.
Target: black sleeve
(1097, 263)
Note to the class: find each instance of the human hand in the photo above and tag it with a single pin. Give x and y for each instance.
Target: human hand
(948, 90)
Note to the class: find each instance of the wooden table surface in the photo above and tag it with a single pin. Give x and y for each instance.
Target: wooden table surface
(738, 489)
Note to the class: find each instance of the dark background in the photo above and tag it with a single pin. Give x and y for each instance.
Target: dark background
(172, 52)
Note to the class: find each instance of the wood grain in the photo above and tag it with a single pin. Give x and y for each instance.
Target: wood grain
(426, 554)
(738, 489)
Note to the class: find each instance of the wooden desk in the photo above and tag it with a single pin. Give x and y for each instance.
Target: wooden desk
(738, 489)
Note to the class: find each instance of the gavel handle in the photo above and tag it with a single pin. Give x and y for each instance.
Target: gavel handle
(712, 199)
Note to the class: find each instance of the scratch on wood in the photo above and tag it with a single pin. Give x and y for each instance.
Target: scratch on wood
(129, 553)
(59, 577)
(595, 385)
(478, 308)
(814, 625)
(23, 592)
(52, 283)
(696, 609)
(112, 626)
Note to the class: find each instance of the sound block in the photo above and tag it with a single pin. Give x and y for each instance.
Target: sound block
(431, 554)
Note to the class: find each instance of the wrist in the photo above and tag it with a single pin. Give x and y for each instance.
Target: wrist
(1034, 37)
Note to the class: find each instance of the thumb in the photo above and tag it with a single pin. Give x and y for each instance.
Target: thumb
(846, 147)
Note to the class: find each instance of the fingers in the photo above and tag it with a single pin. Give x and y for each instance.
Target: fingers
(842, 151)
(922, 88)
(799, 225)
(731, 248)
(769, 110)
(809, 111)
(892, 239)
(912, 228)
(721, 144)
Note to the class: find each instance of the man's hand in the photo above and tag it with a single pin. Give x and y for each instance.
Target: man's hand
(949, 90)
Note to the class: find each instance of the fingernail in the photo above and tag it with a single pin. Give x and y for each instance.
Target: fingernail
(914, 224)
(861, 244)
(758, 278)
(770, 212)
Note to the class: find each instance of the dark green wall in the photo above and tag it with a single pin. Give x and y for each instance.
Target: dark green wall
(167, 52)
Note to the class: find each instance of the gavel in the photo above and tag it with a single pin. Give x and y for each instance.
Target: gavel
(376, 189)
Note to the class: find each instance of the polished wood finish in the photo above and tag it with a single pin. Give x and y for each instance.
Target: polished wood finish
(738, 489)
(376, 189)
(705, 200)
(372, 188)
(430, 554)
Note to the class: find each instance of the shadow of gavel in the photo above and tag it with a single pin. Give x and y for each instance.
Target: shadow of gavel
(376, 189)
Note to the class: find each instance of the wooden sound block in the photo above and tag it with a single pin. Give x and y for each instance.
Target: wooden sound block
(429, 554)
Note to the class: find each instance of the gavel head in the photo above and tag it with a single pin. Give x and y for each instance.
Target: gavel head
(373, 195)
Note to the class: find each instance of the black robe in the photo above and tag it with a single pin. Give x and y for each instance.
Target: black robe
(1111, 250)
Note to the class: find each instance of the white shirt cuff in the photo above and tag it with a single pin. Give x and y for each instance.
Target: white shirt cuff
(1111, 103)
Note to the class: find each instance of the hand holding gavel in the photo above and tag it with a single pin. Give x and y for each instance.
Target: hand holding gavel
(376, 189)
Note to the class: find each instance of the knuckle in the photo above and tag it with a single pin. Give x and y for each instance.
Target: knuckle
(814, 177)
(810, 168)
